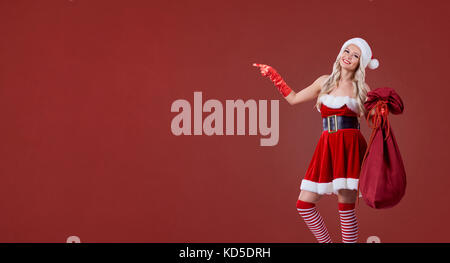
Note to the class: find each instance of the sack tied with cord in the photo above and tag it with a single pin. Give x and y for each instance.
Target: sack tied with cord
(383, 178)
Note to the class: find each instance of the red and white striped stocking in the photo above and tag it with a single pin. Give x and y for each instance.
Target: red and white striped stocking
(314, 221)
(349, 224)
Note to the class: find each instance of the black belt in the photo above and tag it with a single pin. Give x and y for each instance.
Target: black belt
(334, 123)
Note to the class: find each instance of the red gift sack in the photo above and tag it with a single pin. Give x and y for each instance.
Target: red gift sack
(383, 178)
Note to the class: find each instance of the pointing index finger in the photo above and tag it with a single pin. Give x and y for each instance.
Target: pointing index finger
(258, 65)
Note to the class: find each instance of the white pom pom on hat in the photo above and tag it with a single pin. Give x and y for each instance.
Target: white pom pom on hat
(374, 63)
(366, 58)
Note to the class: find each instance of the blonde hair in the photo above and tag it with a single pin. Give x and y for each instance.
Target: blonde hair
(359, 86)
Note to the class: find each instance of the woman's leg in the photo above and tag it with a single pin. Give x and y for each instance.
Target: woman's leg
(309, 197)
(347, 196)
(306, 207)
(349, 224)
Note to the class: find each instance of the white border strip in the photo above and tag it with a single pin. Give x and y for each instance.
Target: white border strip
(330, 188)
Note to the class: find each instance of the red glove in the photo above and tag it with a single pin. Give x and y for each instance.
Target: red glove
(268, 71)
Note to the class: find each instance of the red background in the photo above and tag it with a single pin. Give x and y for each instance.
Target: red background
(85, 94)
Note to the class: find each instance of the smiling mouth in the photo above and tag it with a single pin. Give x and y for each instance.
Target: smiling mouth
(346, 61)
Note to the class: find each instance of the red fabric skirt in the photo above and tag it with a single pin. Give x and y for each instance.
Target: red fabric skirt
(337, 159)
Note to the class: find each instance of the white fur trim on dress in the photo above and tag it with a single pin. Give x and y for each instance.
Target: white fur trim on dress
(330, 188)
(335, 102)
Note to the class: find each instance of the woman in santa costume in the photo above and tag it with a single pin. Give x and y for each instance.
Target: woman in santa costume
(337, 159)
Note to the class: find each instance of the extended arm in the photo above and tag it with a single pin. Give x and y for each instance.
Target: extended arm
(309, 93)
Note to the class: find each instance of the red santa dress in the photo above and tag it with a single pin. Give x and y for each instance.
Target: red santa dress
(337, 159)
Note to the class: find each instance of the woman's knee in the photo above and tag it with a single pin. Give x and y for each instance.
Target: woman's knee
(347, 196)
(307, 196)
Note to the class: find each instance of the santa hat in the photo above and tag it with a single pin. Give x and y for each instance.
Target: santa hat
(366, 58)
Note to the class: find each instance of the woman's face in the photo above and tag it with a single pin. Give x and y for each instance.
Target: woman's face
(350, 57)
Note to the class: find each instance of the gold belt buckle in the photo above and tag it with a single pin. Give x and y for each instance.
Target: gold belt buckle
(335, 124)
